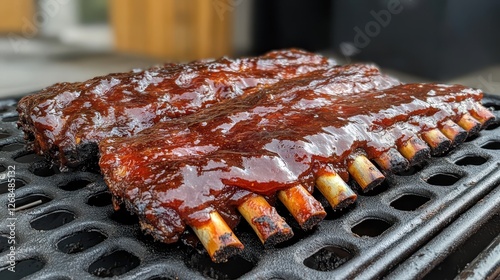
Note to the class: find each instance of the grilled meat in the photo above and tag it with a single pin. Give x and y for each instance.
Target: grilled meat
(178, 172)
(67, 120)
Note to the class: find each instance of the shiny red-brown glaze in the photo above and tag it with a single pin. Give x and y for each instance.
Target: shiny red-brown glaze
(65, 116)
(178, 171)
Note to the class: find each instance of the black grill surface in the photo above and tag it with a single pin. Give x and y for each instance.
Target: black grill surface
(67, 228)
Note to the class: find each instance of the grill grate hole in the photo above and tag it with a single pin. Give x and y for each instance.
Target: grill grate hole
(328, 258)
(114, 264)
(10, 119)
(52, 220)
(23, 269)
(4, 135)
(4, 243)
(28, 158)
(124, 217)
(31, 201)
(75, 185)
(100, 199)
(472, 137)
(409, 202)
(492, 145)
(471, 160)
(80, 241)
(443, 179)
(370, 227)
(234, 268)
(44, 170)
(4, 187)
(495, 107)
(412, 170)
(493, 126)
(12, 147)
(2, 168)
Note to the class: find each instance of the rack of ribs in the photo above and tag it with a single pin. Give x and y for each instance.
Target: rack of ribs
(312, 131)
(67, 120)
(197, 145)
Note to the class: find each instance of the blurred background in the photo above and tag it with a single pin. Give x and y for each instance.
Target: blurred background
(47, 41)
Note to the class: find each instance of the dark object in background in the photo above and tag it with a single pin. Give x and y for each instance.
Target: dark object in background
(291, 23)
(434, 39)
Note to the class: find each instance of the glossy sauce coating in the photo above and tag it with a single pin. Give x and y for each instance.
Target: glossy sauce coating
(263, 142)
(65, 116)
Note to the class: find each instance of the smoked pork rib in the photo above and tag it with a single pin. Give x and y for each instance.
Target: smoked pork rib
(66, 121)
(178, 172)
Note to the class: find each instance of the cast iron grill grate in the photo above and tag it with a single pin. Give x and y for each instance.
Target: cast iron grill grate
(68, 229)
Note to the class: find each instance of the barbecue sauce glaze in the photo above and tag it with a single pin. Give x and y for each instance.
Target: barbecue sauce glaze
(178, 171)
(67, 116)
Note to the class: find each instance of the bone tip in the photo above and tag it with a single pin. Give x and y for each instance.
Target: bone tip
(489, 122)
(420, 156)
(313, 220)
(392, 162)
(459, 139)
(484, 116)
(223, 254)
(475, 130)
(470, 124)
(376, 182)
(441, 148)
(334, 189)
(278, 237)
(347, 202)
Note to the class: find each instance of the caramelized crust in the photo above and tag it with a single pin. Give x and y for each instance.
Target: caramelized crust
(270, 140)
(67, 120)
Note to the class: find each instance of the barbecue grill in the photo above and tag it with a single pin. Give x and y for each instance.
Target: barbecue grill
(429, 221)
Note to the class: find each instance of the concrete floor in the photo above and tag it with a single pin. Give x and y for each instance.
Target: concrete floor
(38, 64)
(31, 65)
